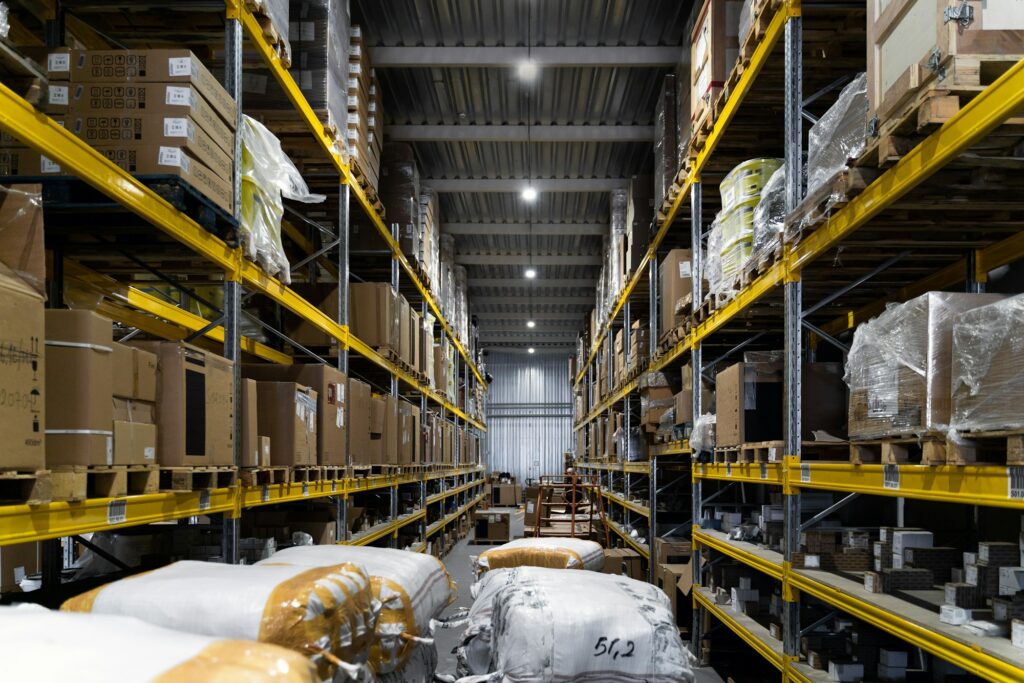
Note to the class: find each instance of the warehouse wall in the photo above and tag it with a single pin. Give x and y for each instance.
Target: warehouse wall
(529, 413)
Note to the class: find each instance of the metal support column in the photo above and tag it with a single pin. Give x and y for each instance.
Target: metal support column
(975, 281)
(793, 291)
(341, 502)
(696, 259)
(232, 288)
(652, 285)
(627, 403)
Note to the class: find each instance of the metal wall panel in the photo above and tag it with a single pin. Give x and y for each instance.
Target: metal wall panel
(529, 414)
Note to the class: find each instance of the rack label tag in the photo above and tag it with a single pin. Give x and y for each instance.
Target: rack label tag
(728, 469)
(204, 500)
(305, 488)
(891, 476)
(805, 473)
(117, 512)
(1015, 482)
(764, 470)
(265, 494)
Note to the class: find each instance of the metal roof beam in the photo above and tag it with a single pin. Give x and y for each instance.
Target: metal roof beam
(527, 315)
(521, 133)
(516, 185)
(585, 282)
(558, 229)
(509, 57)
(529, 259)
(536, 300)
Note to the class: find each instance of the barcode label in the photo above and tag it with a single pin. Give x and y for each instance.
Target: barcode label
(805, 473)
(334, 485)
(178, 95)
(204, 500)
(305, 488)
(1015, 482)
(58, 62)
(728, 469)
(265, 494)
(773, 454)
(891, 476)
(176, 127)
(58, 94)
(48, 166)
(117, 512)
(170, 156)
(179, 66)
(764, 470)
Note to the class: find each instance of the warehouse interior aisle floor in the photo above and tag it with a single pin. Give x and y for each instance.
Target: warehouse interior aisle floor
(460, 568)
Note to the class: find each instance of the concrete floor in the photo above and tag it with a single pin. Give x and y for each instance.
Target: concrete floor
(460, 568)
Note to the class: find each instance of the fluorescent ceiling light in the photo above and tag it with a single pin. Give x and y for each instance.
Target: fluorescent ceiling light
(530, 273)
(530, 350)
(527, 69)
(531, 324)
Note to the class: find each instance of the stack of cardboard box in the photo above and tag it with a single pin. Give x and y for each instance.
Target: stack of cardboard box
(675, 284)
(365, 114)
(148, 111)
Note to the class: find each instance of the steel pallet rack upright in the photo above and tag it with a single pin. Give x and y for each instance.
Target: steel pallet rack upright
(27, 523)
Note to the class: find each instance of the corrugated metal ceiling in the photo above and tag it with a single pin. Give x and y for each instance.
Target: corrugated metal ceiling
(496, 96)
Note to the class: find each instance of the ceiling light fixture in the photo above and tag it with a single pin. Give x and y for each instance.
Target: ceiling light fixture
(531, 324)
(530, 273)
(531, 350)
(529, 193)
(527, 69)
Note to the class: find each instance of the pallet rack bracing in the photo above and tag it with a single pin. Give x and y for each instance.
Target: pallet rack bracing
(785, 284)
(127, 304)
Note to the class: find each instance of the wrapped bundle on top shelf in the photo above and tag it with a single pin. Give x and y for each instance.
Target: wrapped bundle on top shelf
(899, 365)
(326, 613)
(55, 647)
(365, 116)
(666, 141)
(400, 193)
(273, 18)
(550, 552)
(267, 176)
(988, 367)
(529, 623)
(770, 218)
(412, 588)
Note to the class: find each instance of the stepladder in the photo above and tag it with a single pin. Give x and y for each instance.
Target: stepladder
(571, 506)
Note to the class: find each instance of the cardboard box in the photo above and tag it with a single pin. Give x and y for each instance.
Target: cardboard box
(22, 248)
(250, 447)
(330, 385)
(134, 443)
(533, 508)
(667, 578)
(134, 373)
(374, 314)
(16, 562)
(503, 495)
(359, 403)
(195, 405)
(79, 410)
(623, 561)
(22, 332)
(384, 417)
(668, 551)
(714, 46)
(404, 331)
(492, 525)
(180, 67)
(675, 281)
(406, 447)
(287, 414)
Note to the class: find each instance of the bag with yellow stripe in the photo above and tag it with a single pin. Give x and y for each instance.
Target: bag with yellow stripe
(551, 552)
(327, 613)
(413, 589)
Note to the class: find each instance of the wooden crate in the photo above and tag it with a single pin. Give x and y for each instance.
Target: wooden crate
(914, 45)
(714, 46)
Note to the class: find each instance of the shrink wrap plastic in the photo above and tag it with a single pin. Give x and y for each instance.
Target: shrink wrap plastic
(988, 367)
(530, 624)
(267, 176)
(899, 366)
(713, 258)
(553, 553)
(770, 215)
(702, 438)
(21, 233)
(310, 611)
(746, 19)
(838, 136)
(44, 646)
(412, 588)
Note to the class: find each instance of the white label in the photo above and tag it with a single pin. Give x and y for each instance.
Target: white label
(265, 494)
(58, 94)
(353, 101)
(334, 485)
(749, 395)
(179, 66)
(305, 488)
(149, 453)
(773, 454)
(684, 269)
(176, 127)
(728, 469)
(340, 419)
(178, 95)
(805, 473)
(204, 500)
(170, 156)
(764, 470)
(110, 450)
(341, 392)
(703, 470)
(48, 166)
(58, 62)
(1015, 482)
(117, 512)
(891, 476)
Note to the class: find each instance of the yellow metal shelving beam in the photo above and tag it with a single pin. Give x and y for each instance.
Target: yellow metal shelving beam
(752, 633)
(642, 510)
(621, 533)
(389, 529)
(328, 144)
(448, 519)
(754, 472)
(762, 564)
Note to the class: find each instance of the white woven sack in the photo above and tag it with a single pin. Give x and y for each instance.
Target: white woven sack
(546, 551)
(413, 588)
(310, 610)
(56, 647)
(596, 627)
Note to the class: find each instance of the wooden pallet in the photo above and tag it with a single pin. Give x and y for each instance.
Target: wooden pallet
(993, 447)
(198, 478)
(25, 487)
(367, 185)
(79, 482)
(826, 200)
(304, 474)
(270, 32)
(333, 472)
(929, 449)
(260, 476)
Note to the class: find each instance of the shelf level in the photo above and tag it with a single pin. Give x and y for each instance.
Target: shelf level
(631, 542)
(389, 528)
(749, 630)
(756, 473)
(642, 510)
(763, 560)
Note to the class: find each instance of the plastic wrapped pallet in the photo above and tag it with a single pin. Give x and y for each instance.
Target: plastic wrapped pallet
(325, 613)
(713, 258)
(838, 136)
(746, 19)
(666, 155)
(413, 588)
(551, 552)
(770, 215)
(898, 368)
(267, 176)
(702, 438)
(44, 646)
(277, 12)
(530, 624)
(988, 367)
(400, 192)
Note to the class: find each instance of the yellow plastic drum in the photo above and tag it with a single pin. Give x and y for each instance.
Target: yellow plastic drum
(738, 223)
(746, 181)
(734, 257)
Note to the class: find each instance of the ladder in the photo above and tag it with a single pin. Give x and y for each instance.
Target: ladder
(566, 506)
